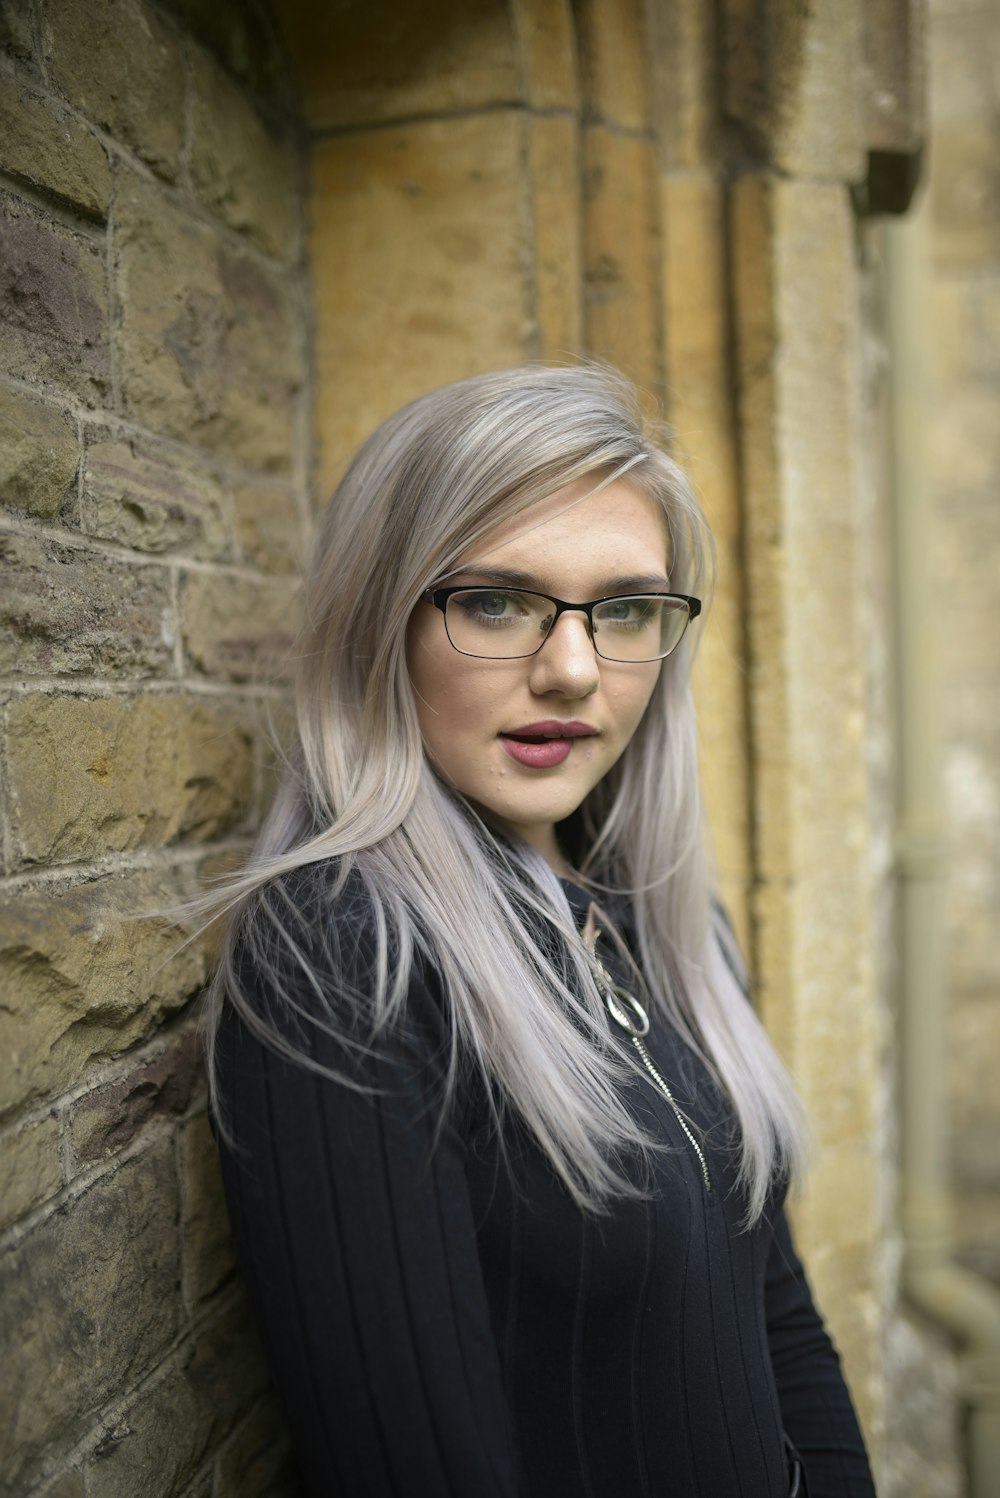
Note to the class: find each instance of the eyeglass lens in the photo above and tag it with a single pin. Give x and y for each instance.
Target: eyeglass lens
(503, 623)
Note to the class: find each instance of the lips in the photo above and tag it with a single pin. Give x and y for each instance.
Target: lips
(542, 746)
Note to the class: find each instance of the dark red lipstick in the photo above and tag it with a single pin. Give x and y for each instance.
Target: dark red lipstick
(542, 746)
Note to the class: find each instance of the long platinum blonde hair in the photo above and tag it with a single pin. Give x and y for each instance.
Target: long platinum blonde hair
(358, 789)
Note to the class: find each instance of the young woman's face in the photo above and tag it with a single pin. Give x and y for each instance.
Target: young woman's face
(573, 547)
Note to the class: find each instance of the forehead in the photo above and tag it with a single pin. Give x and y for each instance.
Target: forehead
(618, 525)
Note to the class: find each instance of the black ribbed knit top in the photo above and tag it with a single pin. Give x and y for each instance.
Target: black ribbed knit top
(445, 1323)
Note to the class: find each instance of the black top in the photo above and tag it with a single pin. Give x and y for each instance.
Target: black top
(441, 1323)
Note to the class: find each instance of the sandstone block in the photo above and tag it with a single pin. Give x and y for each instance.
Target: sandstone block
(39, 452)
(965, 196)
(245, 40)
(89, 1299)
(614, 64)
(68, 1485)
(621, 289)
(257, 1462)
(124, 69)
(54, 318)
(238, 627)
(171, 1430)
(44, 144)
(238, 166)
(548, 53)
(385, 61)
(423, 223)
(685, 90)
(69, 610)
(84, 976)
(269, 531)
(108, 1119)
(207, 337)
(207, 1248)
(555, 174)
(91, 775)
(31, 1168)
(17, 29)
(152, 502)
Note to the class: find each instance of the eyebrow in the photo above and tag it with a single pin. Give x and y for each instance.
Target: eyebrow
(631, 582)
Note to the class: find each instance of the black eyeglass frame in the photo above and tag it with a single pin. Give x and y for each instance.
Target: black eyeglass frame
(439, 598)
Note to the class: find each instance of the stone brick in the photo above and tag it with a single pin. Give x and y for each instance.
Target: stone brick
(67, 609)
(89, 1300)
(41, 142)
(207, 337)
(384, 61)
(106, 1120)
(257, 1462)
(965, 196)
(269, 531)
(124, 69)
(54, 321)
(207, 1247)
(556, 217)
(31, 1169)
(238, 166)
(17, 29)
(547, 46)
(86, 973)
(614, 62)
(246, 39)
(39, 451)
(94, 775)
(238, 627)
(685, 91)
(621, 290)
(962, 73)
(151, 501)
(424, 224)
(68, 1484)
(170, 1431)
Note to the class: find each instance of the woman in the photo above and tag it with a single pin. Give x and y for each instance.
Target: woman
(504, 1145)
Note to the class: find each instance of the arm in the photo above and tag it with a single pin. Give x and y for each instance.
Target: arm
(358, 1249)
(815, 1404)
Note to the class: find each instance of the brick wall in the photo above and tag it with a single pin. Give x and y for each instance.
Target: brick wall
(153, 473)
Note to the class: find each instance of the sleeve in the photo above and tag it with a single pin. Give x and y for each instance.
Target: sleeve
(356, 1242)
(816, 1407)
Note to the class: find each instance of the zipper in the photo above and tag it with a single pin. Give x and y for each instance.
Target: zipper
(636, 1027)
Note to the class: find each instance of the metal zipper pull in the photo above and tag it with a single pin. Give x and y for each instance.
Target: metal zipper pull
(629, 1014)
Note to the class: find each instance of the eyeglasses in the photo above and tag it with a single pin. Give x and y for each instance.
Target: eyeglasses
(501, 624)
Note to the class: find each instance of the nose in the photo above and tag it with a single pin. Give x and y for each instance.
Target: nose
(567, 663)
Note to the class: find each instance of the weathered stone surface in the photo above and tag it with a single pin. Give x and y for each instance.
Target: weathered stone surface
(39, 452)
(257, 1462)
(269, 531)
(53, 304)
(90, 775)
(614, 64)
(965, 196)
(384, 61)
(246, 39)
(83, 976)
(962, 71)
(621, 289)
(108, 1119)
(207, 337)
(684, 64)
(424, 224)
(238, 166)
(547, 45)
(88, 1302)
(171, 1430)
(152, 502)
(17, 28)
(67, 1485)
(207, 1247)
(67, 609)
(237, 627)
(47, 146)
(30, 1168)
(556, 217)
(124, 69)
